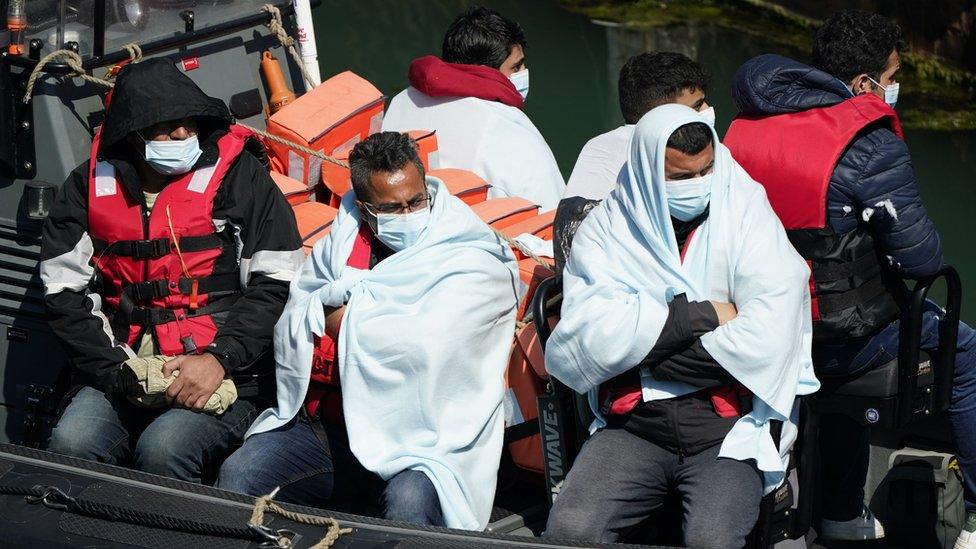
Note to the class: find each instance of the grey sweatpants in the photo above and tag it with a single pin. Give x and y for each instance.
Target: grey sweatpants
(619, 478)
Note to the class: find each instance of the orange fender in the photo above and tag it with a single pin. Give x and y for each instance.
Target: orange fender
(504, 212)
(314, 222)
(468, 186)
(295, 191)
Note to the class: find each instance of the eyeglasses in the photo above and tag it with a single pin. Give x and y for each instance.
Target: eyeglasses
(412, 206)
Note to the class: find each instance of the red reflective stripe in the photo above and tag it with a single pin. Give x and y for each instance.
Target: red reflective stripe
(687, 245)
(814, 303)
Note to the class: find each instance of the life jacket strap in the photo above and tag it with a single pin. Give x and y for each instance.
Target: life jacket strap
(156, 247)
(152, 316)
(829, 303)
(156, 289)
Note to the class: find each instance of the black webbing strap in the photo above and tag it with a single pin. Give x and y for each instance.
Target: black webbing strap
(156, 247)
(151, 316)
(155, 289)
(521, 430)
(830, 272)
(845, 300)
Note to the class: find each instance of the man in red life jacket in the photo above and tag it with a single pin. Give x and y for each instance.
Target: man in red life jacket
(172, 240)
(473, 97)
(827, 144)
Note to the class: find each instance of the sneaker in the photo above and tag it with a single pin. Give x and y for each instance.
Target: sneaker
(967, 538)
(864, 527)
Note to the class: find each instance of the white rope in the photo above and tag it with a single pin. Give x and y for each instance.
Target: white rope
(277, 28)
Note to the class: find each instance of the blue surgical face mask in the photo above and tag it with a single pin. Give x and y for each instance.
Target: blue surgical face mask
(891, 92)
(400, 231)
(688, 198)
(521, 81)
(173, 157)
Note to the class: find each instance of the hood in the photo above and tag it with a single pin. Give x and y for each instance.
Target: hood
(432, 76)
(773, 84)
(155, 91)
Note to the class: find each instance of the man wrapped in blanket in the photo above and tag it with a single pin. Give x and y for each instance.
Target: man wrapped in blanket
(686, 319)
(408, 304)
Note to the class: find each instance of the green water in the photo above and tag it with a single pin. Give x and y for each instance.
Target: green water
(574, 64)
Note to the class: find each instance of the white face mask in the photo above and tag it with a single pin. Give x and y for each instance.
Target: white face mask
(709, 116)
(400, 231)
(891, 92)
(521, 81)
(688, 198)
(174, 157)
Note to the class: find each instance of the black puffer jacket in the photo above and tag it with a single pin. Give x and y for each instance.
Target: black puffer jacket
(874, 172)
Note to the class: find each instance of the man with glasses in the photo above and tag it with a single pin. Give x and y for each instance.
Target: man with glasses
(390, 356)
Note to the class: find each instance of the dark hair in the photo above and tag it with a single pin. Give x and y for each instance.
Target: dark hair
(853, 42)
(691, 138)
(652, 79)
(481, 36)
(381, 152)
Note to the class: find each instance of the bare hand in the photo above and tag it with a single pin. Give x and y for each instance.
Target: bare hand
(333, 319)
(200, 375)
(725, 311)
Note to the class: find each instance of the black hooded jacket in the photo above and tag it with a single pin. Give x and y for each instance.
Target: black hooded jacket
(269, 246)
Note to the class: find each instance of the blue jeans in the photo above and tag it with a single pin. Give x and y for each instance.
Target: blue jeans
(292, 458)
(619, 478)
(845, 444)
(172, 442)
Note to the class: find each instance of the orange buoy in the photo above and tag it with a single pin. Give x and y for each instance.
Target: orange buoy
(278, 93)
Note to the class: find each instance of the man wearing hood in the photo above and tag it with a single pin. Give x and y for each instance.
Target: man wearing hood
(406, 309)
(827, 144)
(171, 244)
(686, 227)
(473, 97)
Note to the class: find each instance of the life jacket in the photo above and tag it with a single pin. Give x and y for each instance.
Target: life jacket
(728, 401)
(324, 390)
(793, 156)
(169, 270)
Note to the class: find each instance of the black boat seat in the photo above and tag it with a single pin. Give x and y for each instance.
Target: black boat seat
(878, 382)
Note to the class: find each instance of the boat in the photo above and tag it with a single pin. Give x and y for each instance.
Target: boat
(53, 81)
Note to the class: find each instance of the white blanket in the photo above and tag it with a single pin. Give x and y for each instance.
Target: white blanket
(423, 349)
(625, 268)
(491, 139)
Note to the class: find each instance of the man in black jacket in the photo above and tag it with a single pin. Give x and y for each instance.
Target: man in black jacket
(171, 241)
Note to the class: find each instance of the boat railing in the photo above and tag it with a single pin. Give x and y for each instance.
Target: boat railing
(189, 36)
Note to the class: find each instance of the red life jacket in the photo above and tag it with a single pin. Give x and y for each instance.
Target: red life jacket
(726, 400)
(793, 156)
(168, 270)
(324, 390)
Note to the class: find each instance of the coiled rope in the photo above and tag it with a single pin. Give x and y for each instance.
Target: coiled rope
(73, 60)
(266, 503)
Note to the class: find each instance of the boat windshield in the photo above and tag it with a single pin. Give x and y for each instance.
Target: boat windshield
(126, 21)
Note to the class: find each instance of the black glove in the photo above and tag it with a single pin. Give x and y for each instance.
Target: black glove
(127, 384)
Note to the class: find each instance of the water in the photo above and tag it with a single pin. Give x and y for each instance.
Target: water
(574, 64)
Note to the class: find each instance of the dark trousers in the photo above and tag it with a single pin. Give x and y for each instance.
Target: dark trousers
(619, 478)
(845, 444)
(292, 458)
